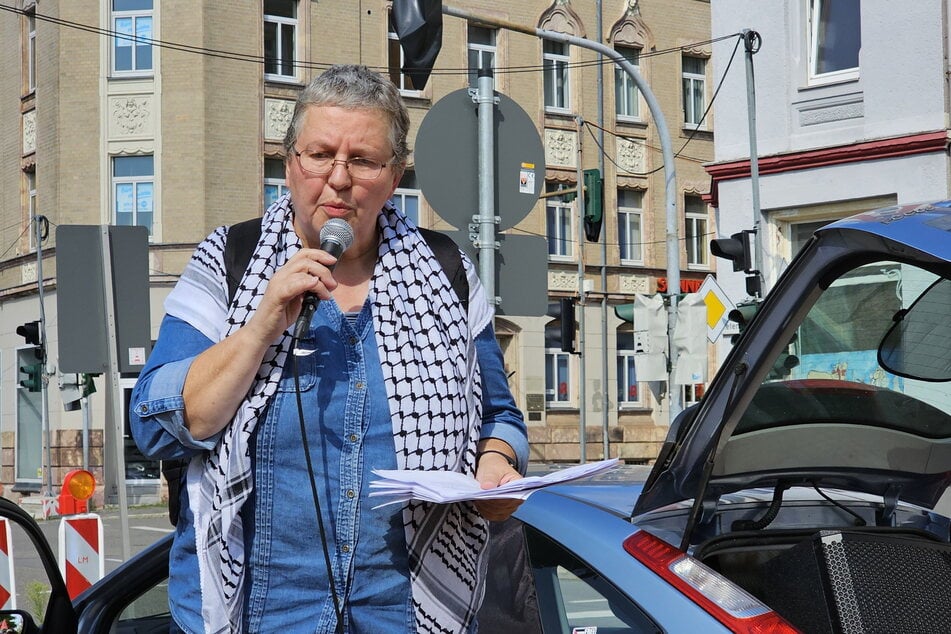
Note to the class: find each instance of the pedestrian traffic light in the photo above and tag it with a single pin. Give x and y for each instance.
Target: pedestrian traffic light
(593, 204)
(32, 377)
(30, 331)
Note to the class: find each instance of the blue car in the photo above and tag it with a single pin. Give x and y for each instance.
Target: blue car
(804, 493)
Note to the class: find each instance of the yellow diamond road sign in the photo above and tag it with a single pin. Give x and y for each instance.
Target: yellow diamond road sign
(718, 307)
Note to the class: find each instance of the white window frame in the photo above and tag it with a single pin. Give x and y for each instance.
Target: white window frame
(691, 395)
(481, 52)
(815, 35)
(630, 246)
(696, 228)
(561, 231)
(625, 357)
(401, 195)
(554, 358)
(281, 21)
(31, 51)
(136, 182)
(135, 15)
(624, 85)
(394, 61)
(273, 181)
(557, 74)
(694, 84)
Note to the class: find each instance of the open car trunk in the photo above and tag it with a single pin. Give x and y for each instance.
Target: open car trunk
(810, 472)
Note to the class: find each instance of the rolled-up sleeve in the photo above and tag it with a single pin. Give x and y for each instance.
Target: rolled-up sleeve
(501, 418)
(157, 408)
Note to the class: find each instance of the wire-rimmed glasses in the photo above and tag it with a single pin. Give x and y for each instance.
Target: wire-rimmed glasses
(322, 163)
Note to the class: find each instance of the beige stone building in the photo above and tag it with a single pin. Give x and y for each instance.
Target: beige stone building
(168, 114)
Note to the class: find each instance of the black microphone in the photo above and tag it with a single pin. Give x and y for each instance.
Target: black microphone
(336, 236)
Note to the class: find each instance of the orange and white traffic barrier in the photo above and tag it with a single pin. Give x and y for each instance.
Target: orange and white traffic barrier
(8, 595)
(81, 559)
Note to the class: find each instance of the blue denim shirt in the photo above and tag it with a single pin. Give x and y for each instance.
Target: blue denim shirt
(286, 586)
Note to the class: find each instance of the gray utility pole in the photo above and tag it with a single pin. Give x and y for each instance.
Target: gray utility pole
(582, 391)
(38, 222)
(675, 396)
(752, 42)
(487, 219)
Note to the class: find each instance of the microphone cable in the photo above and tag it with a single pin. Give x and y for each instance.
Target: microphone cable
(338, 610)
(336, 236)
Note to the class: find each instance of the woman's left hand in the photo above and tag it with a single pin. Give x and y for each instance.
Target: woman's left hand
(493, 470)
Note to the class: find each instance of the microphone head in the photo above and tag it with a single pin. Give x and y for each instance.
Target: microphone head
(336, 236)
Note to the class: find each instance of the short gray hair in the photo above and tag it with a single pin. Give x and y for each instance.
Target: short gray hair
(355, 88)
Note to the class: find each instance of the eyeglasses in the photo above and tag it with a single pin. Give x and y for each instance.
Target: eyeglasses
(322, 163)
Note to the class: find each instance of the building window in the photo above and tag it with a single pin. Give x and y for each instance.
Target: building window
(274, 183)
(628, 391)
(694, 80)
(394, 61)
(31, 205)
(555, 62)
(482, 51)
(280, 39)
(626, 97)
(132, 45)
(406, 197)
(692, 394)
(695, 233)
(835, 36)
(630, 208)
(558, 382)
(133, 190)
(31, 51)
(559, 215)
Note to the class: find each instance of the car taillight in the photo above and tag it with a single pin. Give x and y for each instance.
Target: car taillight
(733, 606)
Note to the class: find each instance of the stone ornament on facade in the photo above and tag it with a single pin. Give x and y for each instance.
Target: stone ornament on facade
(636, 284)
(277, 116)
(562, 281)
(631, 155)
(29, 132)
(130, 116)
(561, 147)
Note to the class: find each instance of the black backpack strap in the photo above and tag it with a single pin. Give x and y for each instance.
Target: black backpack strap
(239, 245)
(447, 252)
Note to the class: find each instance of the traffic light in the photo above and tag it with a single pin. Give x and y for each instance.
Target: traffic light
(593, 204)
(30, 331)
(32, 377)
(742, 315)
(564, 312)
(736, 248)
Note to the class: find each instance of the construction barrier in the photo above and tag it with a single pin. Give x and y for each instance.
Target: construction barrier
(81, 558)
(8, 595)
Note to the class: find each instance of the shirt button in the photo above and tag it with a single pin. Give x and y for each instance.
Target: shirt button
(359, 385)
(143, 409)
(345, 548)
(353, 341)
(350, 493)
(353, 438)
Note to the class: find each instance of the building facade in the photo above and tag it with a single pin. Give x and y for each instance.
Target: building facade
(844, 123)
(169, 114)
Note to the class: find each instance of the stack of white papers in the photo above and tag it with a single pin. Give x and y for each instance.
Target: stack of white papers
(447, 486)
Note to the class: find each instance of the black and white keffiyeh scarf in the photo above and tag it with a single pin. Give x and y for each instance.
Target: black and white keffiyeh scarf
(426, 347)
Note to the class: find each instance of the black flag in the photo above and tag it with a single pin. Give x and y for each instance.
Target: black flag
(418, 23)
